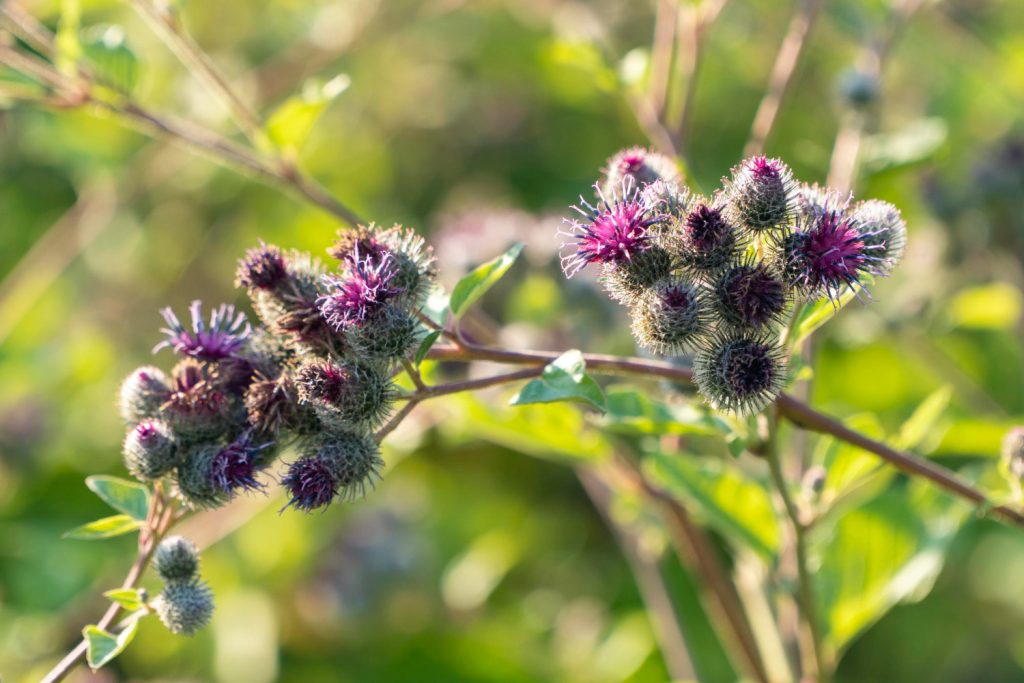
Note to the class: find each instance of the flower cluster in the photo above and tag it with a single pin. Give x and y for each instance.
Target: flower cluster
(315, 370)
(718, 276)
(186, 603)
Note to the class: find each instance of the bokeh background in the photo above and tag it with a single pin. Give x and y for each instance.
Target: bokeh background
(480, 557)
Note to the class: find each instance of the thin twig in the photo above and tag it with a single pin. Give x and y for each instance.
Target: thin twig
(781, 74)
(815, 664)
(171, 31)
(661, 54)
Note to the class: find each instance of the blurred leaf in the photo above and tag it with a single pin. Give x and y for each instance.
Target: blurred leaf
(710, 660)
(630, 411)
(130, 598)
(887, 551)
(112, 61)
(996, 306)
(923, 422)
(108, 527)
(816, 314)
(734, 504)
(69, 49)
(291, 123)
(125, 496)
(563, 379)
(542, 431)
(473, 286)
(916, 142)
(852, 475)
(104, 646)
(973, 436)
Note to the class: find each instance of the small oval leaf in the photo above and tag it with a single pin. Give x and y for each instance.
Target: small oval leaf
(108, 527)
(104, 646)
(124, 496)
(130, 598)
(563, 379)
(473, 286)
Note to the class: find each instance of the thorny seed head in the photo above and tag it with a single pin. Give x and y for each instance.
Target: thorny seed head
(142, 393)
(221, 338)
(642, 166)
(263, 267)
(627, 280)
(669, 318)
(882, 229)
(176, 559)
(350, 394)
(612, 232)
(740, 373)
(708, 241)
(234, 467)
(150, 450)
(339, 464)
(749, 296)
(760, 194)
(185, 607)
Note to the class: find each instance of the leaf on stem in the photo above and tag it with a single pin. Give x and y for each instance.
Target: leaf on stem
(563, 379)
(482, 278)
(131, 599)
(108, 527)
(125, 496)
(104, 646)
(292, 122)
(113, 62)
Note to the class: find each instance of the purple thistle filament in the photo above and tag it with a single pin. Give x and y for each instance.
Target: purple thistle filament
(222, 338)
(613, 232)
(361, 292)
(235, 466)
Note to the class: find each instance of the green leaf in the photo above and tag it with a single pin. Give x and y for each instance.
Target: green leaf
(425, 345)
(922, 424)
(852, 475)
(734, 504)
(104, 646)
(996, 306)
(563, 379)
(112, 61)
(630, 411)
(108, 527)
(131, 599)
(916, 142)
(816, 314)
(473, 286)
(889, 550)
(124, 496)
(291, 123)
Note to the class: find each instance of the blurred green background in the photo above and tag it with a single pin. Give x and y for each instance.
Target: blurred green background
(478, 122)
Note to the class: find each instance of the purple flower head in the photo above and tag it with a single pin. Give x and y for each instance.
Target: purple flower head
(364, 289)
(222, 338)
(234, 467)
(749, 296)
(312, 483)
(361, 242)
(765, 169)
(828, 254)
(643, 166)
(613, 231)
(263, 267)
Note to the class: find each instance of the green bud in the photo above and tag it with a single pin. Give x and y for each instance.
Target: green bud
(176, 559)
(185, 607)
(142, 394)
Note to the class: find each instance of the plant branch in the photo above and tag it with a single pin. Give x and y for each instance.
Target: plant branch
(781, 74)
(798, 413)
(160, 519)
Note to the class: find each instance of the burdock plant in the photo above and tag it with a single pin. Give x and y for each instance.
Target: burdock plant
(289, 397)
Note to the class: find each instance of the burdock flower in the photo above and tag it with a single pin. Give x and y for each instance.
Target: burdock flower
(335, 464)
(612, 232)
(641, 166)
(212, 474)
(142, 393)
(263, 267)
(185, 607)
(748, 296)
(359, 294)
(827, 254)
(196, 410)
(222, 338)
(708, 241)
(882, 228)
(740, 373)
(354, 395)
(760, 194)
(150, 450)
(669, 318)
